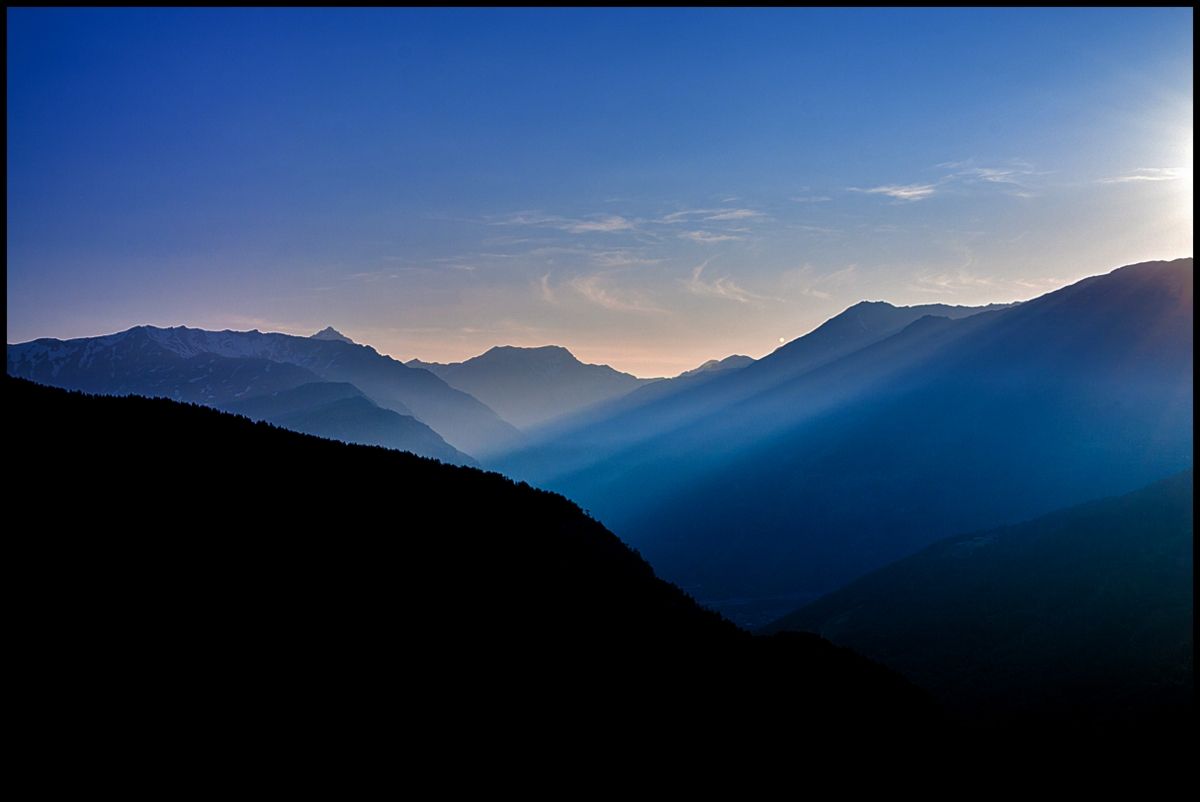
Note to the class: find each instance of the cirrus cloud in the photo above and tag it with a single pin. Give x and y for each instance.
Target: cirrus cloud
(722, 287)
(1147, 174)
(904, 192)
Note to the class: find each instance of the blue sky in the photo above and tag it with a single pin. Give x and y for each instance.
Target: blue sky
(651, 188)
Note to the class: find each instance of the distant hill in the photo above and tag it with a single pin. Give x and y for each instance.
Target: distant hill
(208, 565)
(713, 365)
(804, 470)
(148, 356)
(340, 411)
(531, 386)
(1084, 614)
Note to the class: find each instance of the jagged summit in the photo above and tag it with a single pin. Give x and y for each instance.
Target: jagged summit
(330, 333)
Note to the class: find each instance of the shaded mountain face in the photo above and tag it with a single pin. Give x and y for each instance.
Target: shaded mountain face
(296, 399)
(85, 364)
(340, 411)
(254, 567)
(531, 386)
(597, 429)
(595, 434)
(861, 325)
(782, 489)
(132, 362)
(1084, 614)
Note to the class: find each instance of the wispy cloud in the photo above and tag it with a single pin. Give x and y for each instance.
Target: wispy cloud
(808, 227)
(1016, 175)
(709, 215)
(1147, 174)
(950, 282)
(546, 290)
(607, 258)
(1013, 173)
(806, 281)
(592, 287)
(709, 225)
(904, 192)
(708, 237)
(682, 217)
(810, 198)
(735, 214)
(600, 223)
(509, 239)
(606, 223)
(621, 258)
(527, 218)
(378, 275)
(722, 287)
(994, 175)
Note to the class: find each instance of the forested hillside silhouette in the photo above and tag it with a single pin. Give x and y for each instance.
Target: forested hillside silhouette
(192, 561)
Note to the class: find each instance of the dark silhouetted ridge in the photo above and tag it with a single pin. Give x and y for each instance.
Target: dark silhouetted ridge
(199, 565)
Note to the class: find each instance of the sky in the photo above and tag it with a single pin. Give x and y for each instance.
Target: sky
(650, 188)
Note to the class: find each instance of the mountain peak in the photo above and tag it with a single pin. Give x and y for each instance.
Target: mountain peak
(543, 350)
(542, 356)
(529, 386)
(330, 333)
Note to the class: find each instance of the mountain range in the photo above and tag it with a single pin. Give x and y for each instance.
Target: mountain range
(229, 367)
(585, 439)
(821, 489)
(529, 386)
(1083, 614)
(885, 430)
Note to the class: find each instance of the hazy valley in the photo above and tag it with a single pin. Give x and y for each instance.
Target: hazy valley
(760, 485)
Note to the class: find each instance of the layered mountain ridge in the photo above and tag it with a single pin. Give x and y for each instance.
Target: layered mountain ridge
(222, 367)
(886, 429)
